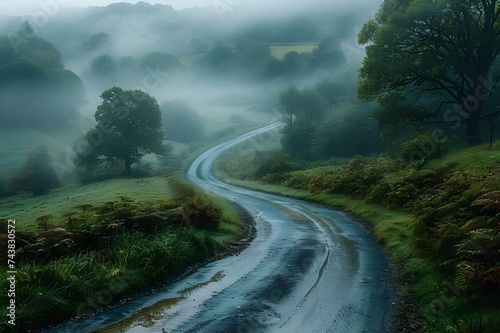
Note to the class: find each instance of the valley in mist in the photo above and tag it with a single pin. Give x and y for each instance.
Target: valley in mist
(216, 56)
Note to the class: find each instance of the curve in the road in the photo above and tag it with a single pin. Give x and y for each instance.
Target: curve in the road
(309, 269)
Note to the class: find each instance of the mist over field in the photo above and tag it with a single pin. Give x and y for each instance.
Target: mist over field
(218, 53)
(141, 139)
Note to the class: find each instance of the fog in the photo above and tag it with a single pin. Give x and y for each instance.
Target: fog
(208, 53)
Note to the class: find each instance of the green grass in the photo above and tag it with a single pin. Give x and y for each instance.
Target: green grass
(16, 144)
(479, 157)
(26, 208)
(279, 51)
(117, 250)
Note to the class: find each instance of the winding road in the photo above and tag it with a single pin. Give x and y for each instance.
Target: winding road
(309, 269)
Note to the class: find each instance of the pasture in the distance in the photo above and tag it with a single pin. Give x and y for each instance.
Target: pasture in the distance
(25, 208)
(279, 51)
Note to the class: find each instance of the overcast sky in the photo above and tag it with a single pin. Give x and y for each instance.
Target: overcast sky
(30, 7)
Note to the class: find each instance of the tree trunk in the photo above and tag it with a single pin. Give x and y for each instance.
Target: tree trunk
(474, 125)
(128, 166)
(492, 124)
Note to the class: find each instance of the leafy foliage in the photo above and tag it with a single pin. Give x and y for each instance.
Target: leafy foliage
(115, 249)
(102, 66)
(129, 127)
(322, 122)
(455, 206)
(95, 42)
(447, 47)
(218, 58)
(272, 165)
(160, 62)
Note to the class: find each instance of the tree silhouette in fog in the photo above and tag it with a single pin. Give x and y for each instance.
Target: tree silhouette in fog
(128, 127)
(36, 91)
(36, 175)
(181, 123)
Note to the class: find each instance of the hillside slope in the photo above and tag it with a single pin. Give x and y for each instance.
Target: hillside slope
(439, 220)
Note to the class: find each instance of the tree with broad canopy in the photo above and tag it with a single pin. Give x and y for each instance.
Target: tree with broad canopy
(444, 48)
(128, 127)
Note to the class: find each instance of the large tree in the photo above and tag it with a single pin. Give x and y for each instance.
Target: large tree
(445, 48)
(128, 127)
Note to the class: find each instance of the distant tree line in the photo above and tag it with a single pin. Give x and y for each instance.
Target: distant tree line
(247, 58)
(323, 121)
(256, 61)
(36, 91)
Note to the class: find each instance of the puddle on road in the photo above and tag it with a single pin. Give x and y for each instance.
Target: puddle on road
(148, 316)
(217, 277)
(145, 317)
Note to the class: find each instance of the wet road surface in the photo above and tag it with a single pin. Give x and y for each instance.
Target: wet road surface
(309, 269)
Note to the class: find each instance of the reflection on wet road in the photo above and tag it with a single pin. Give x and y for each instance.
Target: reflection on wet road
(309, 269)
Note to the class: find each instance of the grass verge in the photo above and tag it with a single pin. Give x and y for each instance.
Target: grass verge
(431, 300)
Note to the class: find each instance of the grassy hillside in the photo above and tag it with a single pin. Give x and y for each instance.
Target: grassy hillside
(26, 208)
(16, 144)
(277, 50)
(107, 252)
(440, 220)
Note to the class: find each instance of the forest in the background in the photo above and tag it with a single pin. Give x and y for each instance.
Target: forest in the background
(428, 87)
(396, 110)
(101, 109)
(190, 60)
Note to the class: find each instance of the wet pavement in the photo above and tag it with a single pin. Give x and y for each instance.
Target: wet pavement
(309, 269)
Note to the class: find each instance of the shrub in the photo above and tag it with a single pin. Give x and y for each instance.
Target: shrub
(418, 149)
(272, 162)
(36, 174)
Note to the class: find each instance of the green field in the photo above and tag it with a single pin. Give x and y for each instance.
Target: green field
(219, 122)
(25, 208)
(190, 59)
(279, 51)
(16, 144)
